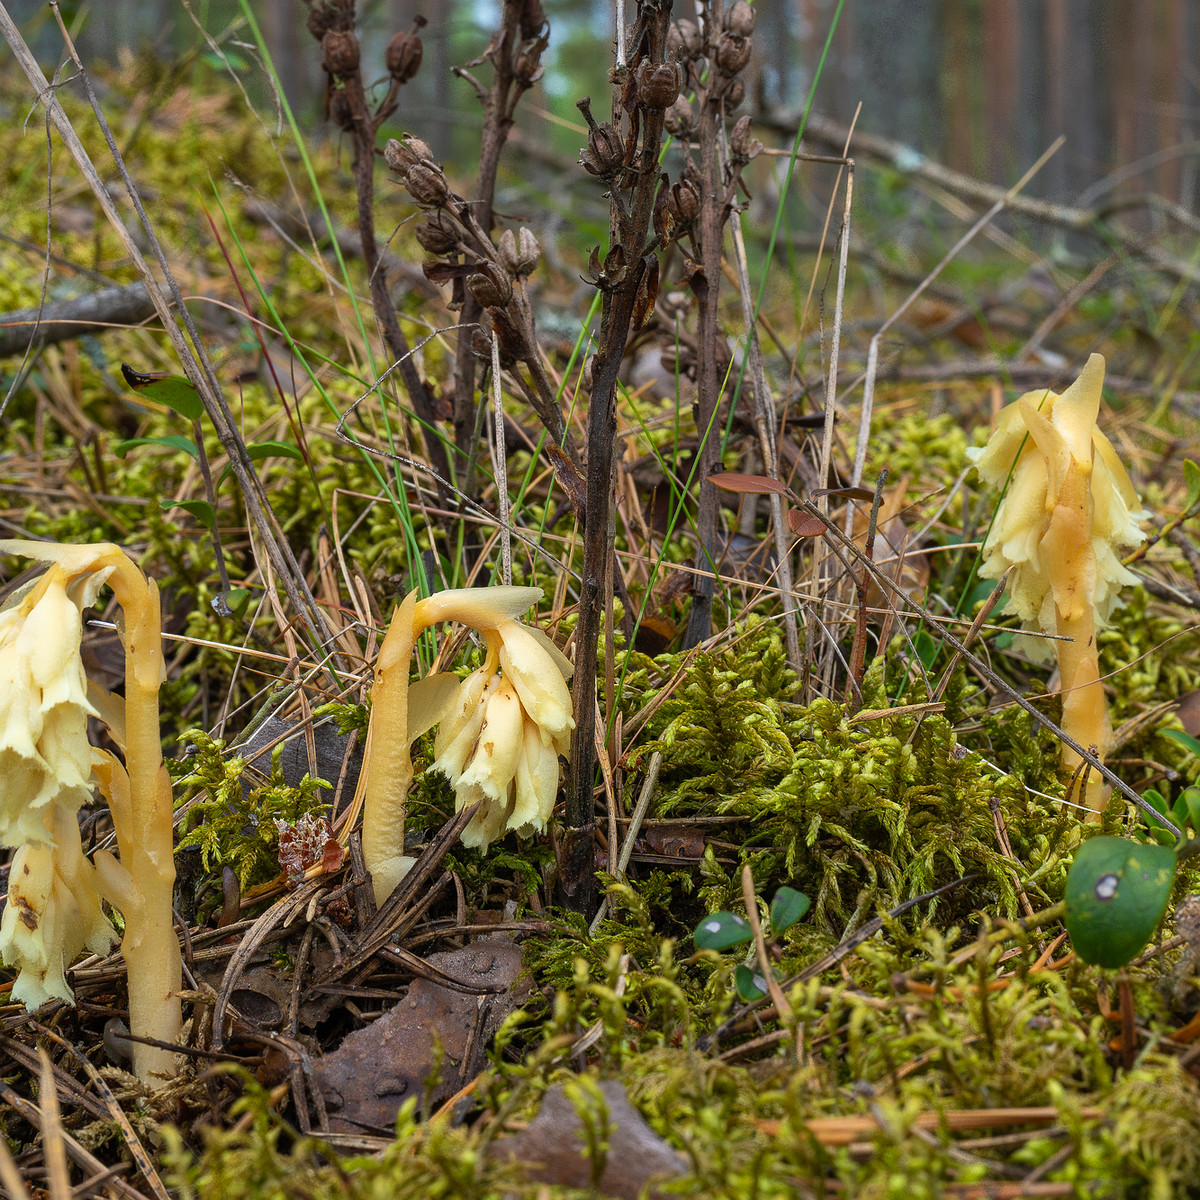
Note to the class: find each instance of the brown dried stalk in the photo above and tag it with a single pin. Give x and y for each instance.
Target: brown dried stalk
(331, 22)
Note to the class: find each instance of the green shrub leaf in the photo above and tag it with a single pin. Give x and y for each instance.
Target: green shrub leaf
(787, 908)
(750, 984)
(1117, 891)
(200, 509)
(720, 930)
(1189, 743)
(173, 391)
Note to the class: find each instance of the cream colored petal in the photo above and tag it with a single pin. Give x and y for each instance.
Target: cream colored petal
(459, 731)
(481, 608)
(429, 701)
(494, 762)
(537, 679)
(536, 783)
(1049, 443)
(30, 930)
(1076, 410)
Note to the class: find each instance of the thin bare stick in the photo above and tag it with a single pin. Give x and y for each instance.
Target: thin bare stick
(501, 468)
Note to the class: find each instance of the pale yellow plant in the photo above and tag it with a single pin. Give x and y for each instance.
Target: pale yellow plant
(54, 892)
(501, 729)
(1068, 515)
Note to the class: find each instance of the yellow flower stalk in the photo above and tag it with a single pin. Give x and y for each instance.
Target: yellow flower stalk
(53, 908)
(502, 729)
(1069, 513)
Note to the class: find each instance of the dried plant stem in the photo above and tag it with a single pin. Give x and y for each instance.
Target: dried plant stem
(501, 469)
(764, 424)
(713, 361)
(629, 228)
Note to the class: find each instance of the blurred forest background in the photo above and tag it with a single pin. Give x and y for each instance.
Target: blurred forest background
(983, 86)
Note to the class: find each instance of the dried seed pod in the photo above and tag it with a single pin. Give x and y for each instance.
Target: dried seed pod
(743, 146)
(339, 53)
(323, 17)
(733, 53)
(427, 186)
(491, 285)
(403, 56)
(614, 270)
(735, 93)
(604, 155)
(680, 121)
(684, 39)
(518, 253)
(658, 85)
(684, 204)
(739, 19)
(401, 157)
(533, 19)
(437, 235)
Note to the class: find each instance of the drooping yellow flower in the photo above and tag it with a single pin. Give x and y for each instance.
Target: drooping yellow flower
(54, 906)
(501, 730)
(53, 911)
(1039, 438)
(45, 758)
(1068, 514)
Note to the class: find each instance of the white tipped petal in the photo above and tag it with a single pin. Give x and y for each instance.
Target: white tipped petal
(459, 730)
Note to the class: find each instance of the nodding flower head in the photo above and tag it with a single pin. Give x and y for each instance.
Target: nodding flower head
(53, 907)
(508, 722)
(1051, 443)
(45, 759)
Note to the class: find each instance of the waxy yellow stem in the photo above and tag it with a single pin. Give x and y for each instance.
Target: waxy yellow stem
(141, 884)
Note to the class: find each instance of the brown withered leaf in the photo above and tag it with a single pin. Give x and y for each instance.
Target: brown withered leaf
(845, 493)
(804, 524)
(748, 485)
(647, 291)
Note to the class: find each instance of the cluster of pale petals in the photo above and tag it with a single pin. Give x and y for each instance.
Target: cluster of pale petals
(53, 907)
(502, 731)
(1039, 439)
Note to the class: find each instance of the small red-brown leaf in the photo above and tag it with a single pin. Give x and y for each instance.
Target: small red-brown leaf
(748, 485)
(804, 524)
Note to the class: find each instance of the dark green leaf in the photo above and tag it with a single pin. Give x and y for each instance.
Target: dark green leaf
(720, 930)
(173, 441)
(173, 391)
(1117, 891)
(750, 984)
(200, 509)
(1191, 804)
(1158, 831)
(787, 908)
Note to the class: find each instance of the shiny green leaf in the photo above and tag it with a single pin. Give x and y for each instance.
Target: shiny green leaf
(720, 930)
(200, 509)
(787, 908)
(173, 391)
(1117, 891)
